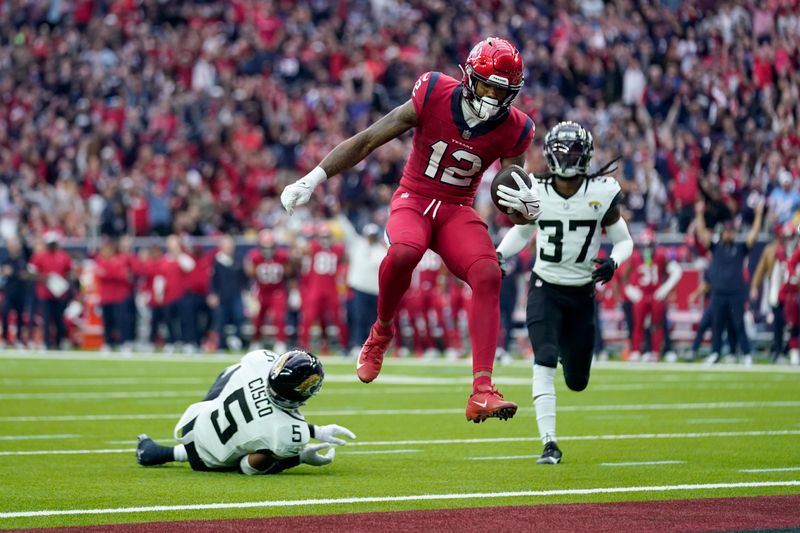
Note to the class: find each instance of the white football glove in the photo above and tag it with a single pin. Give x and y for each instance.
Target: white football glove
(299, 192)
(524, 199)
(633, 293)
(662, 292)
(328, 434)
(311, 456)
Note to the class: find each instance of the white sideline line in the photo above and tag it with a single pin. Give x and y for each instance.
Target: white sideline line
(645, 463)
(478, 441)
(38, 437)
(502, 457)
(409, 498)
(380, 452)
(384, 412)
(759, 470)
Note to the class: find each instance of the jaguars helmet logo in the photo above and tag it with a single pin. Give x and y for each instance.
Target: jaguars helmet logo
(594, 204)
(310, 385)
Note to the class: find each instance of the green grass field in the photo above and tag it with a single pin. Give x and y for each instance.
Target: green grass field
(701, 428)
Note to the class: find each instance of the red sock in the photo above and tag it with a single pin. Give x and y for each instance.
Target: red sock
(484, 278)
(394, 278)
(481, 380)
(381, 329)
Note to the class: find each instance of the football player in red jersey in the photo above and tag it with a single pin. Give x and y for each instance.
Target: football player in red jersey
(270, 266)
(789, 296)
(650, 277)
(321, 302)
(461, 129)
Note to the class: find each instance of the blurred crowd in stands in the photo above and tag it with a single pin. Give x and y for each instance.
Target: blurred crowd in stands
(128, 118)
(149, 117)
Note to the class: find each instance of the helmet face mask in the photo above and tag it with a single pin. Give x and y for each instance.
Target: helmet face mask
(294, 378)
(495, 62)
(568, 150)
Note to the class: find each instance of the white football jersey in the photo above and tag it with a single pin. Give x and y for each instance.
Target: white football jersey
(569, 231)
(242, 419)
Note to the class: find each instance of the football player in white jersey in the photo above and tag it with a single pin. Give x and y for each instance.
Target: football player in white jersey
(576, 207)
(249, 420)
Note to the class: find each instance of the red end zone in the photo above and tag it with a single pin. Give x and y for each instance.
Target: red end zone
(711, 514)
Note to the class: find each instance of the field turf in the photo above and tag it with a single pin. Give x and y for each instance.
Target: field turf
(68, 425)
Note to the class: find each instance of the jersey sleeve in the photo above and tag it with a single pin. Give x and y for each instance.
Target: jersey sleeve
(289, 438)
(422, 91)
(524, 139)
(613, 192)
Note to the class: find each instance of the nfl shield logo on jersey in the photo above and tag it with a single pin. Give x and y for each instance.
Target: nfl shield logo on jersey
(466, 134)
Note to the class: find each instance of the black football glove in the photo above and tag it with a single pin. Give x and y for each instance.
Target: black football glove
(604, 270)
(503, 265)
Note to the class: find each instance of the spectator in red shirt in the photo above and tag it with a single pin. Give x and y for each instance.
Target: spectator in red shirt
(52, 267)
(113, 275)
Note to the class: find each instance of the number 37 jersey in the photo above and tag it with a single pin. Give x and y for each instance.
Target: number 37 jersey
(569, 230)
(241, 419)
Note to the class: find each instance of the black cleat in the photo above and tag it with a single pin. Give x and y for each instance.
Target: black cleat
(148, 453)
(551, 454)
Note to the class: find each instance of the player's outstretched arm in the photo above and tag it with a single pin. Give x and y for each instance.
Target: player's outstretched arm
(617, 231)
(515, 240)
(674, 274)
(753, 235)
(350, 152)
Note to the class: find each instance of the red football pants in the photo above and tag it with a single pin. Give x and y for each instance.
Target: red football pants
(325, 308)
(460, 237)
(656, 309)
(274, 305)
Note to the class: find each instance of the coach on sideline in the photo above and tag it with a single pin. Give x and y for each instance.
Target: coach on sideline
(726, 278)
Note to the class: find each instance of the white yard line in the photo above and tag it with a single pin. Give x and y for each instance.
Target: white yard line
(759, 470)
(380, 452)
(702, 421)
(645, 436)
(645, 463)
(89, 418)
(502, 457)
(408, 498)
(338, 360)
(68, 452)
(386, 412)
(38, 437)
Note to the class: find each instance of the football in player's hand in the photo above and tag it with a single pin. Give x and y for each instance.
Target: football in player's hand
(504, 177)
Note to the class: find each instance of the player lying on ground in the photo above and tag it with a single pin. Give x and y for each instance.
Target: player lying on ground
(249, 420)
(576, 207)
(461, 129)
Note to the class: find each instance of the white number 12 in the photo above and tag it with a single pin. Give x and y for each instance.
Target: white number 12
(449, 173)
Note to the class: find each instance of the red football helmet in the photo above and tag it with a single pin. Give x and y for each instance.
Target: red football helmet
(648, 238)
(497, 62)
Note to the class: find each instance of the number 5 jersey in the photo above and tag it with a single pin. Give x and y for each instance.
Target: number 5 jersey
(240, 419)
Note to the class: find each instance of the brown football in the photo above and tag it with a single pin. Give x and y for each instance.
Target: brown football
(504, 177)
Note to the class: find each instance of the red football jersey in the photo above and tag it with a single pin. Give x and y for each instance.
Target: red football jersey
(324, 266)
(270, 274)
(448, 157)
(648, 275)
